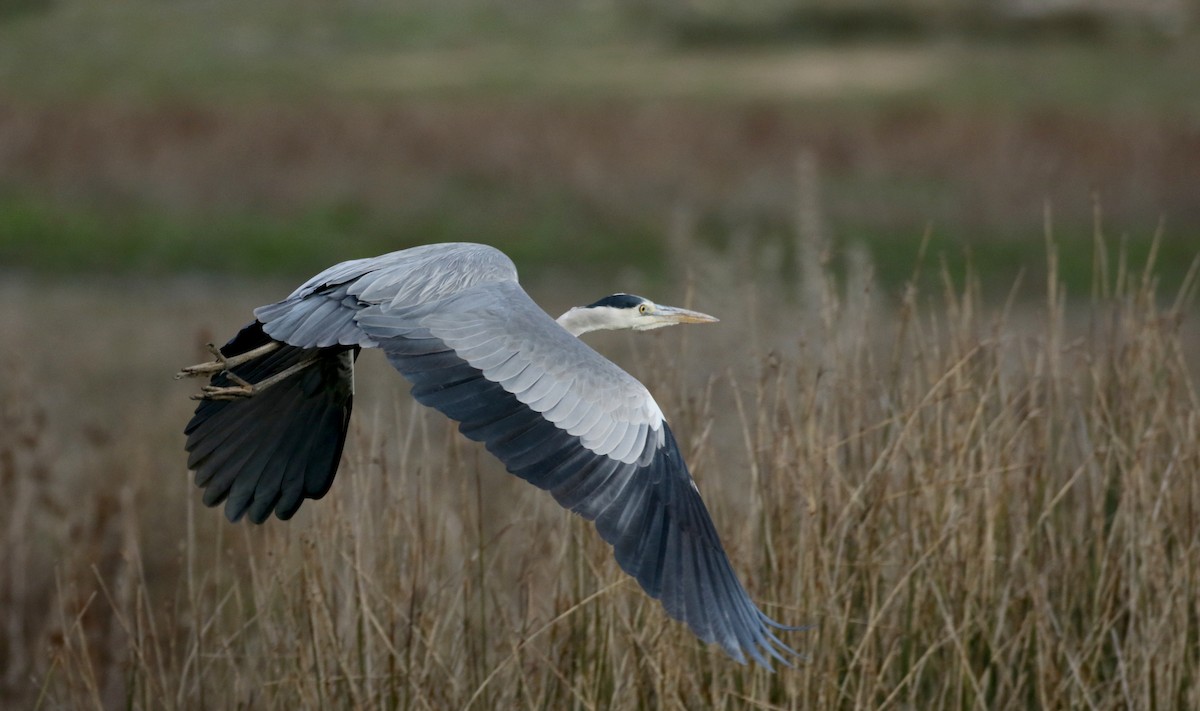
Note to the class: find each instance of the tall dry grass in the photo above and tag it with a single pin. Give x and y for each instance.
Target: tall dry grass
(974, 506)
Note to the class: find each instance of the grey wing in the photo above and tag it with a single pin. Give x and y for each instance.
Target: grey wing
(270, 452)
(322, 312)
(453, 320)
(569, 421)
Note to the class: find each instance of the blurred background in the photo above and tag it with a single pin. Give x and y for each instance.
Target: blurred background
(207, 136)
(166, 165)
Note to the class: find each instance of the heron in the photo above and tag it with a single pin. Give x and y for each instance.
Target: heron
(271, 423)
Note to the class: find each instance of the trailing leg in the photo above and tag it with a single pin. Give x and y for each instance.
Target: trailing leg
(271, 424)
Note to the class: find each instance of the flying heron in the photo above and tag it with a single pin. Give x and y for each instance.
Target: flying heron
(270, 427)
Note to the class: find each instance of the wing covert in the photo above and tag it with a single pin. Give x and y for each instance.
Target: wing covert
(569, 421)
(321, 313)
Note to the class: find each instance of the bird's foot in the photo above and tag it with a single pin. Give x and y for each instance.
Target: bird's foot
(222, 363)
(228, 392)
(241, 387)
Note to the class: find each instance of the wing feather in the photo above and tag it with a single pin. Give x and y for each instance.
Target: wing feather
(522, 381)
(588, 420)
(256, 453)
(569, 421)
(536, 390)
(550, 399)
(564, 410)
(453, 320)
(508, 369)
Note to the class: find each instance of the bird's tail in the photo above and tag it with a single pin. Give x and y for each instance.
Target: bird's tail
(272, 450)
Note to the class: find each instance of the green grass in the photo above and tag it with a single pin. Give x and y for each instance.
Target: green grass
(543, 232)
(543, 235)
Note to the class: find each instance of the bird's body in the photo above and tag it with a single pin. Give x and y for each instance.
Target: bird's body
(454, 321)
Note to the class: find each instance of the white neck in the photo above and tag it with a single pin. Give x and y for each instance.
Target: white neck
(580, 320)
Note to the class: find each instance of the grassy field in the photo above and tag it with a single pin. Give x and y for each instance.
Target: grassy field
(210, 137)
(974, 506)
(287, 189)
(949, 417)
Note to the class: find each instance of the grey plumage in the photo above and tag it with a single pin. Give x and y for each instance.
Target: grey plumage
(454, 321)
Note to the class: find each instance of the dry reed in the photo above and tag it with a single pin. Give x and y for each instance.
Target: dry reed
(973, 507)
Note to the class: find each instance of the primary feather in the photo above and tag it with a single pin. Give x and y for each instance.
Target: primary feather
(454, 321)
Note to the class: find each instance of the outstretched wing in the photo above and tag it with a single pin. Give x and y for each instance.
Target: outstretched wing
(569, 421)
(554, 411)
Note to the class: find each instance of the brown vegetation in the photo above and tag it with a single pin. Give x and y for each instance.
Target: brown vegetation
(984, 508)
(892, 171)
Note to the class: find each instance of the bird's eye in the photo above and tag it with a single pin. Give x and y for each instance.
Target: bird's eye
(643, 309)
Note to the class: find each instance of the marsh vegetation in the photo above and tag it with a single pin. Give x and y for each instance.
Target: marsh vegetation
(973, 506)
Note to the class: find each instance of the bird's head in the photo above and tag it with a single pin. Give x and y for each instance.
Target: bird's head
(626, 311)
